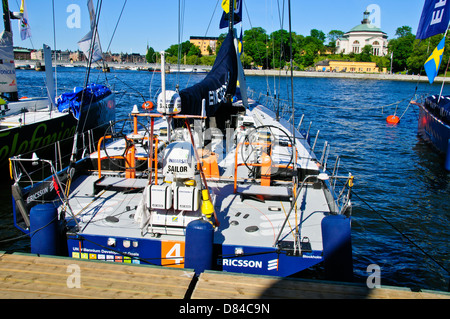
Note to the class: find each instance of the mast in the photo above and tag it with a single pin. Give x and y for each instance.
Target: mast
(294, 202)
(13, 96)
(6, 16)
(292, 74)
(231, 16)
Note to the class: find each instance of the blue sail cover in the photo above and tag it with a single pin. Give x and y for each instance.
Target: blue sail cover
(72, 101)
(434, 18)
(220, 82)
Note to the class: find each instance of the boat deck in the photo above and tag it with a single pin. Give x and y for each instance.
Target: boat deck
(29, 117)
(25, 111)
(25, 276)
(242, 218)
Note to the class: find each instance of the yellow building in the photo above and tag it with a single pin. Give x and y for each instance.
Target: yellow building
(348, 66)
(204, 42)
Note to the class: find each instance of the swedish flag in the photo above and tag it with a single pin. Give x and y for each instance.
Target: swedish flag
(434, 61)
(240, 44)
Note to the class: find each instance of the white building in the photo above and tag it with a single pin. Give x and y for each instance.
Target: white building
(362, 35)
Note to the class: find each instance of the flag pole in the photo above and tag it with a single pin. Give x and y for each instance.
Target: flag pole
(445, 74)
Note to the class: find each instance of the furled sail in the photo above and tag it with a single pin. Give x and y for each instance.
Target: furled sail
(8, 81)
(85, 43)
(216, 86)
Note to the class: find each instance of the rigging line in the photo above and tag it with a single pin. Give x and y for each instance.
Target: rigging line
(117, 24)
(32, 46)
(281, 18)
(153, 75)
(143, 98)
(206, 32)
(95, 33)
(401, 233)
(54, 44)
(86, 79)
(292, 72)
(179, 45)
(254, 39)
(14, 238)
(181, 10)
(212, 16)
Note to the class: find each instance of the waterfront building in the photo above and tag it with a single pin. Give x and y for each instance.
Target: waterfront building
(203, 43)
(362, 35)
(348, 66)
(22, 54)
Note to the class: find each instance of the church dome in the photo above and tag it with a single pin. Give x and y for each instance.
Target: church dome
(366, 28)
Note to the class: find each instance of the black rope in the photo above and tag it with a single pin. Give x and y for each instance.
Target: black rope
(117, 24)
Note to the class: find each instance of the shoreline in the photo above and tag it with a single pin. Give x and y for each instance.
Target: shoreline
(360, 76)
(249, 72)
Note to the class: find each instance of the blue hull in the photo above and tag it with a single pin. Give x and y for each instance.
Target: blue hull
(257, 260)
(434, 131)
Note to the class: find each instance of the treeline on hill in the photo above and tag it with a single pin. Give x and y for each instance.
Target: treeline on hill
(272, 51)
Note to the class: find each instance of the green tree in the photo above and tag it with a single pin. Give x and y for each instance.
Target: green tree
(381, 61)
(185, 47)
(332, 36)
(194, 51)
(402, 48)
(403, 31)
(279, 49)
(308, 50)
(255, 45)
(365, 55)
(421, 52)
(219, 42)
(318, 35)
(151, 56)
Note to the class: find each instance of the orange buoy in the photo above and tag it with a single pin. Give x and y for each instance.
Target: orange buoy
(393, 119)
(147, 105)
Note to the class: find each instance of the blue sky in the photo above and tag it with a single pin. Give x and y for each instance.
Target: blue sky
(156, 21)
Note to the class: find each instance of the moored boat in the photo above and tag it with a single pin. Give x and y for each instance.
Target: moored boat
(434, 124)
(434, 110)
(212, 180)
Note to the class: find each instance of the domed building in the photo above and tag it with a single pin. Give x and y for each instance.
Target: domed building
(362, 35)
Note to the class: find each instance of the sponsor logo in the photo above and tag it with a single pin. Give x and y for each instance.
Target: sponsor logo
(242, 263)
(272, 264)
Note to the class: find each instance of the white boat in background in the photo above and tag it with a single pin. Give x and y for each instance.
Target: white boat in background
(212, 180)
(29, 124)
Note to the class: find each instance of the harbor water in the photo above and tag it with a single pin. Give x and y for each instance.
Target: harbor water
(401, 195)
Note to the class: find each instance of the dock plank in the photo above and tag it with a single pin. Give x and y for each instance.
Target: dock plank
(235, 286)
(28, 276)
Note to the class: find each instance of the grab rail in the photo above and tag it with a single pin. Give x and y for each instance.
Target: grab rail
(265, 180)
(128, 156)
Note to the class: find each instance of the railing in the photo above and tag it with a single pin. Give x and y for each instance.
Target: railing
(266, 164)
(129, 157)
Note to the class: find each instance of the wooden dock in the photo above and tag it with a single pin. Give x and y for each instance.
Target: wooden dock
(28, 276)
